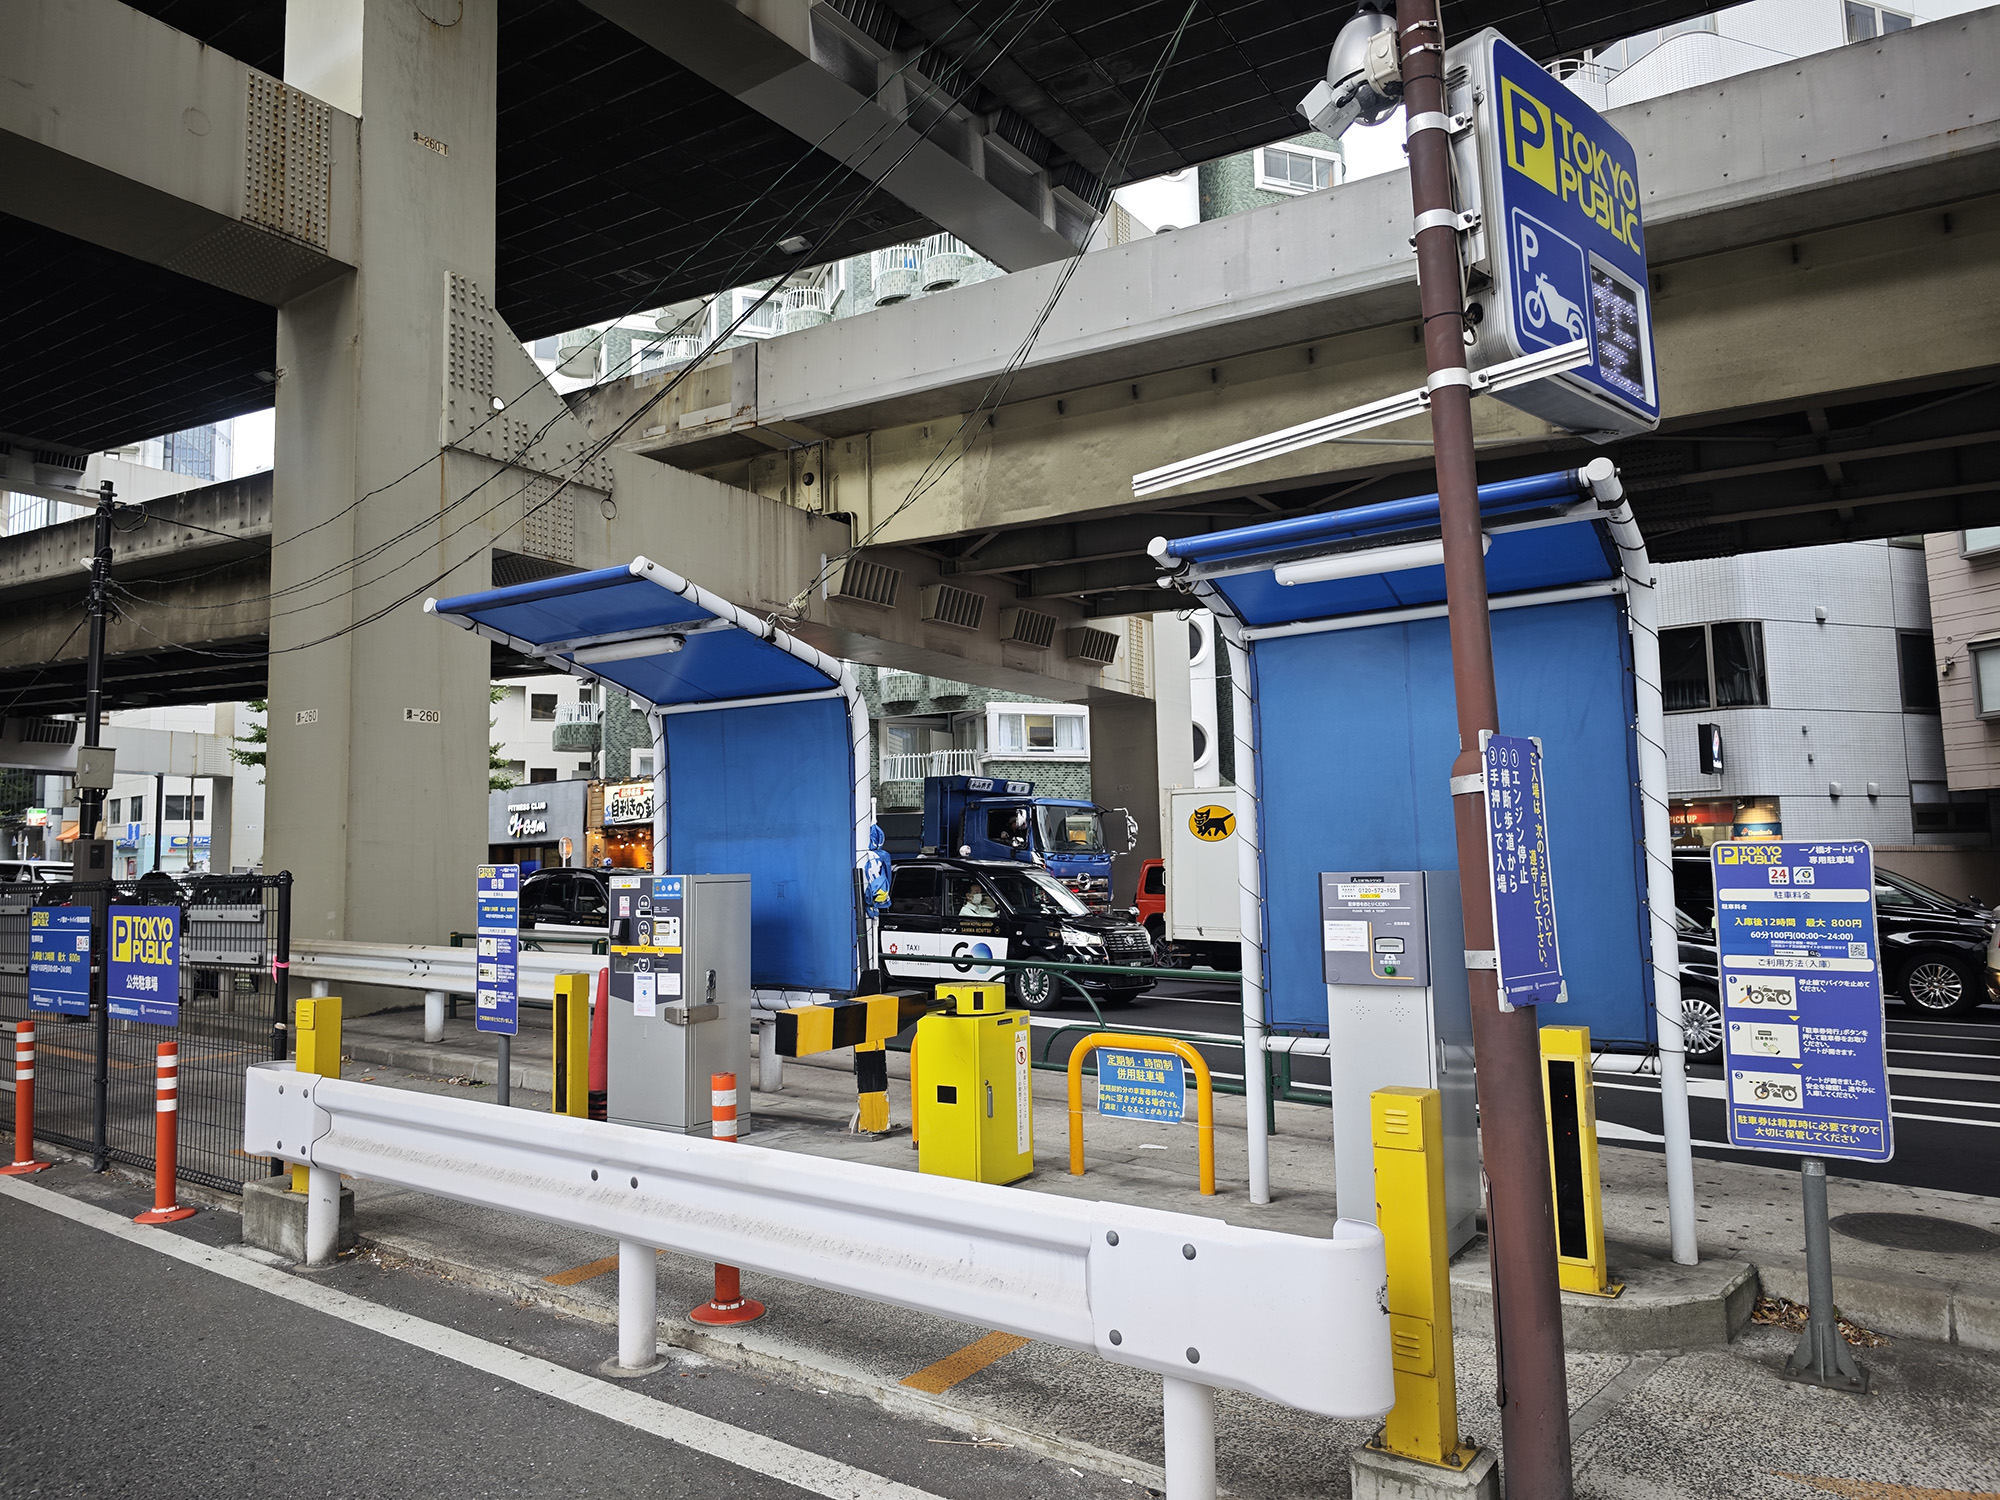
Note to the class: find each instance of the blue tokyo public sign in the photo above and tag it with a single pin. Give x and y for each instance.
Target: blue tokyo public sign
(1564, 217)
(1524, 899)
(498, 920)
(1804, 1058)
(59, 960)
(1141, 1085)
(143, 977)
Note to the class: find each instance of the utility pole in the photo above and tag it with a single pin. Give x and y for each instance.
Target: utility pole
(1520, 1222)
(90, 813)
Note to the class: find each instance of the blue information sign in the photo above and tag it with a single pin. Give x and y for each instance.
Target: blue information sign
(499, 936)
(1803, 1048)
(1141, 1085)
(1517, 847)
(59, 960)
(1565, 220)
(143, 978)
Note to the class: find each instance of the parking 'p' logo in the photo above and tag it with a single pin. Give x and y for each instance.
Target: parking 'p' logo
(1530, 130)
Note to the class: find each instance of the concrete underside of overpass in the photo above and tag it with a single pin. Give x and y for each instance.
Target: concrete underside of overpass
(1826, 295)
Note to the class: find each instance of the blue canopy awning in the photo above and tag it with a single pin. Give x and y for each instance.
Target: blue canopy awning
(1528, 553)
(662, 639)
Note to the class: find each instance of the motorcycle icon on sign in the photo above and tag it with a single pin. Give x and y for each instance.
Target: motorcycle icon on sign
(1545, 305)
(1552, 279)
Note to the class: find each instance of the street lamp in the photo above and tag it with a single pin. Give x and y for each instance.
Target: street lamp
(1364, 81)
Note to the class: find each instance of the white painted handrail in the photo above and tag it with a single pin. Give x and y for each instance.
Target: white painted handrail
(1293, 1319)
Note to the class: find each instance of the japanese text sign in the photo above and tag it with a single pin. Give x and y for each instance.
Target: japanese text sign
(497, 1005)
(143, 977)
(1524, 900)
(1141, 1085)
(59, 960)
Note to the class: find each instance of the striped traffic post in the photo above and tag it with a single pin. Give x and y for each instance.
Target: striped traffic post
(166, 1139)
(24, 1104)
(729, 1305)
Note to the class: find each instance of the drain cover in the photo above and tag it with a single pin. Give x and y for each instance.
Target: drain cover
(1915, 1232)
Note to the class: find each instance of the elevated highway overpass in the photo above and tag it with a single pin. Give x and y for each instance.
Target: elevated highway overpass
(1825, 243)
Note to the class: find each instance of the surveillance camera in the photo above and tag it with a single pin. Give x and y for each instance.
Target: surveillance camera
(1364, 80)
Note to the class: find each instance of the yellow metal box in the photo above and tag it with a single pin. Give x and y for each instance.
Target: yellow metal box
(974, 1097)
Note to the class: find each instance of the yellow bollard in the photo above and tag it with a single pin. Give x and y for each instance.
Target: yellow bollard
(572, 1052)
(1409, 1209)
(1569, 1105)
(316, 1024)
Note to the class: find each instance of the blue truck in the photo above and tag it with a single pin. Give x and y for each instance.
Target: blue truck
(980, 817)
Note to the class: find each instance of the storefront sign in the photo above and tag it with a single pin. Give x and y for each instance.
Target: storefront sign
(526, 818)
(628, 802)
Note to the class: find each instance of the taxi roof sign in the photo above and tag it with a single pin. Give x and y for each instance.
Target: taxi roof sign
(1561, 239)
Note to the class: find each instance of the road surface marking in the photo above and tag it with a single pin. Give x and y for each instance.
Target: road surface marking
(740, 1446)
(590, 1272)
(936, 1379)
(1875, 1489)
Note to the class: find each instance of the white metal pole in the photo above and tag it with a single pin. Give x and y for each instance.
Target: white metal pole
(770, 1066)
(1249, 909)
(1642, 606)
(658, 726)
(1189, 1412)
(322, 1214)
(433, 1015)
(638, 1314)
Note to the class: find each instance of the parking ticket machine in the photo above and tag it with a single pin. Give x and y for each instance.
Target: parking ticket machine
(680, 998)
(1399, 1011)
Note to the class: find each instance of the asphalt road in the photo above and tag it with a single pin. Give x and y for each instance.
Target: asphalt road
(1944, 1081)
(138, 1373)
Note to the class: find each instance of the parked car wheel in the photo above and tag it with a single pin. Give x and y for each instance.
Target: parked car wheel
(1163, 951)
(1037, 989)
(1941, 986)
(1701, 1024)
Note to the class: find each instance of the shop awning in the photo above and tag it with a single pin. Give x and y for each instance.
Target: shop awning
(1541, 533)
(645, 628)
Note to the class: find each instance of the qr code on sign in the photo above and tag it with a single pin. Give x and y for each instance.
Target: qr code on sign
(1857, 950)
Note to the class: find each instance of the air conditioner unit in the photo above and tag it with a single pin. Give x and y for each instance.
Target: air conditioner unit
(1027, 627)
(942, 604)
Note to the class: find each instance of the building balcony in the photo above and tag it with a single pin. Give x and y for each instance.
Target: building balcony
(937, 763)
(577, 730)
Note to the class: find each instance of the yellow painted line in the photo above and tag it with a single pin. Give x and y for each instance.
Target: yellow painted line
(938, 1378)
(588, 1272)
(1875, 1489)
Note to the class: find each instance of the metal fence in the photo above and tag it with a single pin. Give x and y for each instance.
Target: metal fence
(94, 1076)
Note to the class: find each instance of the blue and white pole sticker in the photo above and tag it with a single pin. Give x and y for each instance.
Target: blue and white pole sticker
(1803, 1044)
(1527, 955)
(59, 960)
(497, 1002)
(143, 976)
(1141, 1085)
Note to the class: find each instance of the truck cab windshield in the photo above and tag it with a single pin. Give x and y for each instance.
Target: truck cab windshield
(1070, 830)
(1030, 893)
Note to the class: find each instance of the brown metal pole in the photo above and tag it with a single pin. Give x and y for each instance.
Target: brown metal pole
(1520, 1222)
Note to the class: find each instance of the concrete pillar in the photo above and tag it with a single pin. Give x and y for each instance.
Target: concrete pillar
(1124, 772)
(380, 815)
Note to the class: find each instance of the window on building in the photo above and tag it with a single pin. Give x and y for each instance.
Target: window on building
(642, 763)
(541, 773)
(112, 813)
(1713, 666)
(138, 809)
(542, 706)
(1918, 666)
(1296, 169)
(1039, 731)
(1936, 808)
(176, 810)
(1977, 541)
(1866, 22)
(1985, 677)
(587, 693)
(903, 739)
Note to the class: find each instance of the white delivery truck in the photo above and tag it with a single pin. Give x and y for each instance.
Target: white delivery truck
(1199, 917)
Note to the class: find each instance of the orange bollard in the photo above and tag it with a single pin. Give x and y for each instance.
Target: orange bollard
(24, 1104)
(166, 1139)
(729, 1305)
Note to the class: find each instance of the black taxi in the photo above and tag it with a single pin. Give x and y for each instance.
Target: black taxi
(946, 915)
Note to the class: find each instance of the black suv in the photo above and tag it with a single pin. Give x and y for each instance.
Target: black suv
(1933, 948)
(946, 914)
(566, 898)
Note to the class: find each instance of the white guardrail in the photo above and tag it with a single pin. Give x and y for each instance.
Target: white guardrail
(437, 969)
(1202, 1303)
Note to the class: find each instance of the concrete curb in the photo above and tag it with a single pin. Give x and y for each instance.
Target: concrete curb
(1902, 1309)
(1664, 1306)
(742, 1347)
